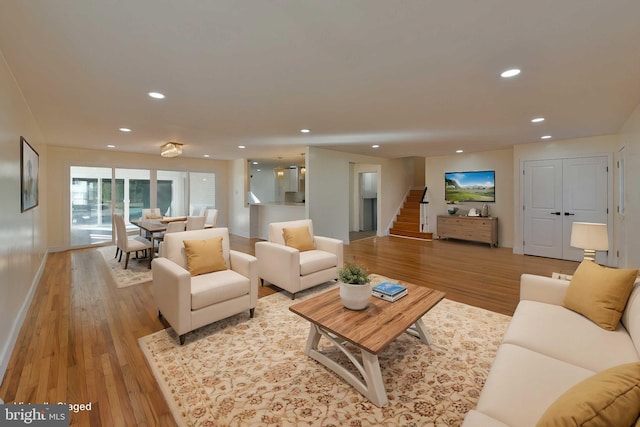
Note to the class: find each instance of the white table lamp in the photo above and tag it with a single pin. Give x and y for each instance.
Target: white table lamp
(591, 237)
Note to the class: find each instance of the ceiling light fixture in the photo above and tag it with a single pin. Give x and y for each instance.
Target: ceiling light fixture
(305, 130)
(459, 151)
(546, 137)
(241, 146)
(510, 73)
(206, 155)
(156, 95)
(537, 120)
(375, 146)
(111, 146)
(171, 149)
(125, 130)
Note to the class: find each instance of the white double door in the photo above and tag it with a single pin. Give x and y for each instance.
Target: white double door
(557, 193)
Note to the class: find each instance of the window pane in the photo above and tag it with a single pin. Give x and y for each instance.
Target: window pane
(202, 192)
(172, 195)
(90, 206)
(133, 188)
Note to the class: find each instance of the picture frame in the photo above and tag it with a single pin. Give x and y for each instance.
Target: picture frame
(29, 176)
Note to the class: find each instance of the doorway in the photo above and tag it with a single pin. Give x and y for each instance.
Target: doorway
(364, 201)
(557, 193)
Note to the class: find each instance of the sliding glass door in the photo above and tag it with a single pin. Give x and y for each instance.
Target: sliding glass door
(90, 205)
(96, 193)
(135, 193)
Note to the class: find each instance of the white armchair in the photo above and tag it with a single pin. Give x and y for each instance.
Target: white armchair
(293, 270)
(187, 302)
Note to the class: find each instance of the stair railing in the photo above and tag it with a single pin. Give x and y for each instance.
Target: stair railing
(424, 212)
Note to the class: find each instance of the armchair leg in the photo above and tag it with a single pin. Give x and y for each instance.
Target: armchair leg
(182, 337)
(293, 295)
(261, 281)
(159, 314)
(251, 312)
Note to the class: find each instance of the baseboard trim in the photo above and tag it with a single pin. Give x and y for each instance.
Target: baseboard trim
(7, 350)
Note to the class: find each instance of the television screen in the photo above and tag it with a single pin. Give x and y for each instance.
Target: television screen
(472, 186)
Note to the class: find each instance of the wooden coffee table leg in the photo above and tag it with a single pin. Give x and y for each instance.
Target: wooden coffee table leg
(420, 330)
(371, 384)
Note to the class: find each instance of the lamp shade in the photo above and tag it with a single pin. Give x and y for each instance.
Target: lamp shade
(171, 149)
(589, 235)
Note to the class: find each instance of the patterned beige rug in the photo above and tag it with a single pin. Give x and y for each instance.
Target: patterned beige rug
(137, 271)
(247, 372)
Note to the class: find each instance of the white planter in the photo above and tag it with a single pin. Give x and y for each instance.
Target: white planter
(355, 297)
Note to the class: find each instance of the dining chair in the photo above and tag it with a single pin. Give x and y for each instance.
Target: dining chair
(127, 245)
(195, 222)
(172, 227)
(211, 218)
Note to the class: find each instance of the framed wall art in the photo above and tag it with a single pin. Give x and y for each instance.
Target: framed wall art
(29, 176)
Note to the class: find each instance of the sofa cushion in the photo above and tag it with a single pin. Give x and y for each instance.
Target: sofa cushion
(315, 260)
(478, 419)
(204, 256)
(600, 293)
(299, 238)
(566, 335)
(522, 384)
(212, 288)
(608, 398)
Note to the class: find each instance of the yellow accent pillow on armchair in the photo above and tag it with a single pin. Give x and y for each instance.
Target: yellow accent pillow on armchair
(299, 238)
(204, 256)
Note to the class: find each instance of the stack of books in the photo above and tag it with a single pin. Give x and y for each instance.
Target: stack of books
(389, 291)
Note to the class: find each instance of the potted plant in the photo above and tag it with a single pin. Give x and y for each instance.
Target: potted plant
(355, 289)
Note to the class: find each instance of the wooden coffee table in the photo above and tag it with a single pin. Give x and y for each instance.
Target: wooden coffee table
(371, 330)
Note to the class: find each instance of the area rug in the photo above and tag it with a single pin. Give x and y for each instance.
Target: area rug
(248, 372)
(137, 271)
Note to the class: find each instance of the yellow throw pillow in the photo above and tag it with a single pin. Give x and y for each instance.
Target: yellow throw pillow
(608, 398)
(299, 238)
(204, 256)
(600, 293)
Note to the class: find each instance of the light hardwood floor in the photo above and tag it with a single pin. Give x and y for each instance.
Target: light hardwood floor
(79, 343)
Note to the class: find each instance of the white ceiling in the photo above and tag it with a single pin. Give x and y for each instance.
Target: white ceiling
(418, 77)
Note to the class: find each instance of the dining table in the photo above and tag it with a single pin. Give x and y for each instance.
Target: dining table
(151, 226)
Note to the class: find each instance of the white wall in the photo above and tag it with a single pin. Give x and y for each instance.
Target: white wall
(61, 158)
(597, 145)
(629, 245)
(328, 186)
(22, 247)
(499, 160)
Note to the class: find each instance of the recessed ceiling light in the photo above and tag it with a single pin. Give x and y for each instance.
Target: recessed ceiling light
(546, 137)
(156, 95)
(111, 146)
(241, 146)
(305, 130)
(510, 73)
(537, 120)
(125, 130)
(206, 155)
(258, 170)
(255, 163)
(459, 151)
(375, 146)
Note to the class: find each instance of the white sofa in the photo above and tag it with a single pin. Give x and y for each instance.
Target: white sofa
(188, 302)
(546, 350)
(292, 270)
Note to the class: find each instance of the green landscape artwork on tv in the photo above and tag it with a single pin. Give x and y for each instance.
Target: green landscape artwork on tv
(472, 186)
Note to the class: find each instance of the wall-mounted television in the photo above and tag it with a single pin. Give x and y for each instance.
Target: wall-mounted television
(471, 186)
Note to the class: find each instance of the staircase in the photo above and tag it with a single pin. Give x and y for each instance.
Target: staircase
(407, 223)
